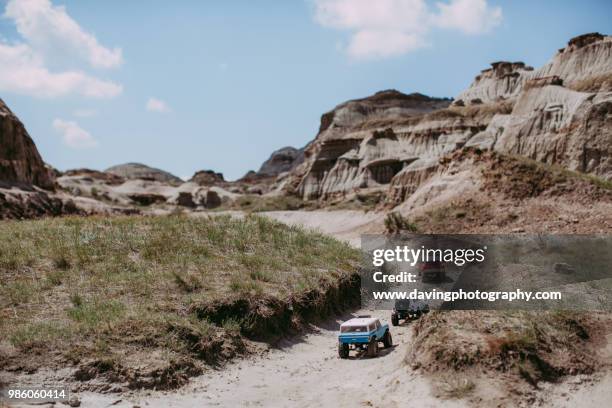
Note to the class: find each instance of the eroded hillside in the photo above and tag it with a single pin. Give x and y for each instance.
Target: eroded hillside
(558, 115)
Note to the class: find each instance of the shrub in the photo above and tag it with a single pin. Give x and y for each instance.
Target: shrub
(396, 223)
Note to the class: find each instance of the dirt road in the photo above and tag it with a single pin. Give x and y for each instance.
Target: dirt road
(344, 225)
(301, 372)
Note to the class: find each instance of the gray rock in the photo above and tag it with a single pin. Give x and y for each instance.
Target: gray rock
(140, 171)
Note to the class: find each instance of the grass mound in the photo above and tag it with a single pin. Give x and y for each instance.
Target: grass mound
(519, 178)
(533, 346)
(148, 301)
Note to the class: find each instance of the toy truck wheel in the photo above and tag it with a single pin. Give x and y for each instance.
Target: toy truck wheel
(394, 319)
(343, 350)
(387, 340)
(372, 348)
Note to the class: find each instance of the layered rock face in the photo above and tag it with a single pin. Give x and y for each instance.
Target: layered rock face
(556, 125)
(281, 160)
(502, 81)
(20, 161)
(365, 142)
(559, 114)
(26, 182)
(133, 171)
(33, 203)
(585, 58)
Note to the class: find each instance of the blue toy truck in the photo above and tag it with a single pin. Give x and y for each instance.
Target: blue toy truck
(363, 333)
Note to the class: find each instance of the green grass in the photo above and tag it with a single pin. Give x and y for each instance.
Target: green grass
(73, 284)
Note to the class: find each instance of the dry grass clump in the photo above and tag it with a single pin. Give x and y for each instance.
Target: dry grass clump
(519, 178)
(454, 216)
(77, 289)
(258, 203)
(598, 83)
(485, 110)
(396, 223)
(362, 201)
(454, 387)
(535, 346)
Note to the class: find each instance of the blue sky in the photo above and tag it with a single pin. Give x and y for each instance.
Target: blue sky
(219, 85)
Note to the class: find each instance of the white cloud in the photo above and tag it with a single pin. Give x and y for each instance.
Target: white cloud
(381, 43)
(385, 28)
(469, 16)
(73, 135)
(23, 71)
(50, 29)
(157, 105)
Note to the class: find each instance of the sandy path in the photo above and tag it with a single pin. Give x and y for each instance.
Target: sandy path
(344, 225)
(302, 372)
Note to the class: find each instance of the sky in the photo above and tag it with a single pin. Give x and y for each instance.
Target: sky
(191, 85)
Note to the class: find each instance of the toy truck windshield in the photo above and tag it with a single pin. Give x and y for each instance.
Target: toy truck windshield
(354, 329)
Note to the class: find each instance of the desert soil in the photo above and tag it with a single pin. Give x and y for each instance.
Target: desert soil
(300, 372)
(305, 371)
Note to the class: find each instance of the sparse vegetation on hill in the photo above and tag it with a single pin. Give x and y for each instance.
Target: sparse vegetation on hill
(258, 203)
(396, 223)
(519, 177)
(598, 83)
(533, 346)
(148, 301)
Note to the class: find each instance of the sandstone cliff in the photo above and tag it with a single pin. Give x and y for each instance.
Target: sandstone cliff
(561, 115)
(20, 161)
(364, 142)
(558, 114)
(502, 81)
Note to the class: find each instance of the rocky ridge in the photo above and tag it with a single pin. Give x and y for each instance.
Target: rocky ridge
(281, 160)
(27, 184)
(558, 114)
(207, 178)
(132, 171)
(20, 161)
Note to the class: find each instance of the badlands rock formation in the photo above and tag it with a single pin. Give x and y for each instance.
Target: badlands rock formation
(502, 81)
(389, 145)
(115, 194)
(207, 178)
(132, 171)
(26, 183)
(20, 161)
(281, 160)
(558, 114)
(363, 143)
